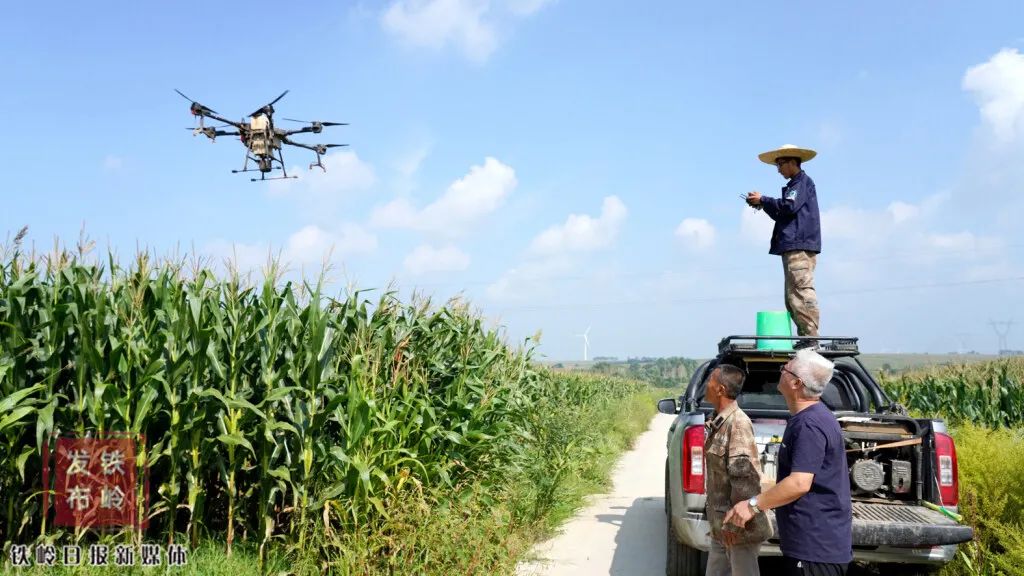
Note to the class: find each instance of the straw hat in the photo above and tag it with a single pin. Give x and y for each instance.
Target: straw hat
(787, 151)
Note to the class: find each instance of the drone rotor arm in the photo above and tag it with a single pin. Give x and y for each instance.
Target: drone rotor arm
(285, 140)
(233, 123)
(304, 130)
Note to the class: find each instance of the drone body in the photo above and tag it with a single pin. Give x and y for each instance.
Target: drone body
(262, 140)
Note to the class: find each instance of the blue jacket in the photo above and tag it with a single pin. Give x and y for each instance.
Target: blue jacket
(797, 222)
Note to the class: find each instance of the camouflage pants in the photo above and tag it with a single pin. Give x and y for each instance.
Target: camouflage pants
(801, 300)
(739, 560)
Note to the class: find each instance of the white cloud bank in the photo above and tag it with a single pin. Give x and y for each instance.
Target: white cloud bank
(479, 193)
(998, 89)
(582, 232)
(472, 26)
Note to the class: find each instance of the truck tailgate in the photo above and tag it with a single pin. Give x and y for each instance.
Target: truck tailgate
(899, 525)
(904, 525)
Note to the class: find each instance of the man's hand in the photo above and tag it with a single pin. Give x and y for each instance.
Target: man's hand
(754, 198)
(739, 515)
(729, 536)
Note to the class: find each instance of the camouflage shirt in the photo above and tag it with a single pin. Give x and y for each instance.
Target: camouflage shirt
(733, 472)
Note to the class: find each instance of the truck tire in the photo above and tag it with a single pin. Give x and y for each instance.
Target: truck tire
(681, 559)
(666, 486)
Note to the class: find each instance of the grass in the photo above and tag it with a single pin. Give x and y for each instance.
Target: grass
(991, 464)
(207, 560)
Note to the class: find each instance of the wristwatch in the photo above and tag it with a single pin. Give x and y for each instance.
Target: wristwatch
(753, 505)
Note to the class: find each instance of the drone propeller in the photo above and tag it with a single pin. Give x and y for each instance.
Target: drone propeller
(195, 105)
(269, 108)
(316, 122)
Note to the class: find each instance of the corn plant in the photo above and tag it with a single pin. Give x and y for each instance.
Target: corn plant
(990, 394)
(271, 410)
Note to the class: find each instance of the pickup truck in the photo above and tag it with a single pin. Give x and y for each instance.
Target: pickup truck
(889, 484)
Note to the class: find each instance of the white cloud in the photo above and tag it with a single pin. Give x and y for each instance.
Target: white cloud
(846, 223)
(425, 259)
(399, 213)
(312, 243)
(436, 23)
(582, 232)
(902, 212)
(464, 203)
(552, 256)
(699, 234)
(470, 25)
(309, 245)
(319, 190)
(963, 242)
(998, 88)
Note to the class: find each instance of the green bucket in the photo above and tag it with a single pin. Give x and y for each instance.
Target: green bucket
(774, 323)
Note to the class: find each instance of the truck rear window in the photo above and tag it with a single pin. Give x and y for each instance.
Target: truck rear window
(761, 389)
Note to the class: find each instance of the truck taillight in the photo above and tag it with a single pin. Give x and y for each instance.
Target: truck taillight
(946, 469)
(693, 460)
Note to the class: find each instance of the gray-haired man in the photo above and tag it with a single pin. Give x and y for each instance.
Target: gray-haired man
(813, 494)
(733, 475)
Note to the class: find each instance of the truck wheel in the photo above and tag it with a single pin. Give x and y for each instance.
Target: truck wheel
(681, 559)
(666, 486)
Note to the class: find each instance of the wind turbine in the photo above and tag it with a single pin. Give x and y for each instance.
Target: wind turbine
(586, 342)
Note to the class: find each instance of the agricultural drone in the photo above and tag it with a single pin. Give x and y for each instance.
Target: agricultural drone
(262, 140)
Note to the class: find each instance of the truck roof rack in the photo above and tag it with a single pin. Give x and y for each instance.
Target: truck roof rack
(828, 346)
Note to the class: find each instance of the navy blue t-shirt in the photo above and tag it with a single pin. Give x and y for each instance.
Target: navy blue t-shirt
(817, 527)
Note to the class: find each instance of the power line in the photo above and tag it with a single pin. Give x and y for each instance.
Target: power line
(699, 300)
(825, 264)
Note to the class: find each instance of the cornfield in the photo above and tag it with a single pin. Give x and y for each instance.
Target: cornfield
(268, 408)
(990, 395)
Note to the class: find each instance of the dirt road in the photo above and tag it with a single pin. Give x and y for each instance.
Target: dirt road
(618, 533)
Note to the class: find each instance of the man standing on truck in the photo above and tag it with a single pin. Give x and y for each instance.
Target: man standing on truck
(812, 497)
(796, 236)
(733, 475)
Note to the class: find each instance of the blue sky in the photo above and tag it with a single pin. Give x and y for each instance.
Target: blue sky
(561, 164)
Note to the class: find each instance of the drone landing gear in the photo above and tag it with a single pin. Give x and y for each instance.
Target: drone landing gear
(265, 179)
(263, 174)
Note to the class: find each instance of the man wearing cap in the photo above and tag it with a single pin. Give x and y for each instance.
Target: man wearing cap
(796, 236)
